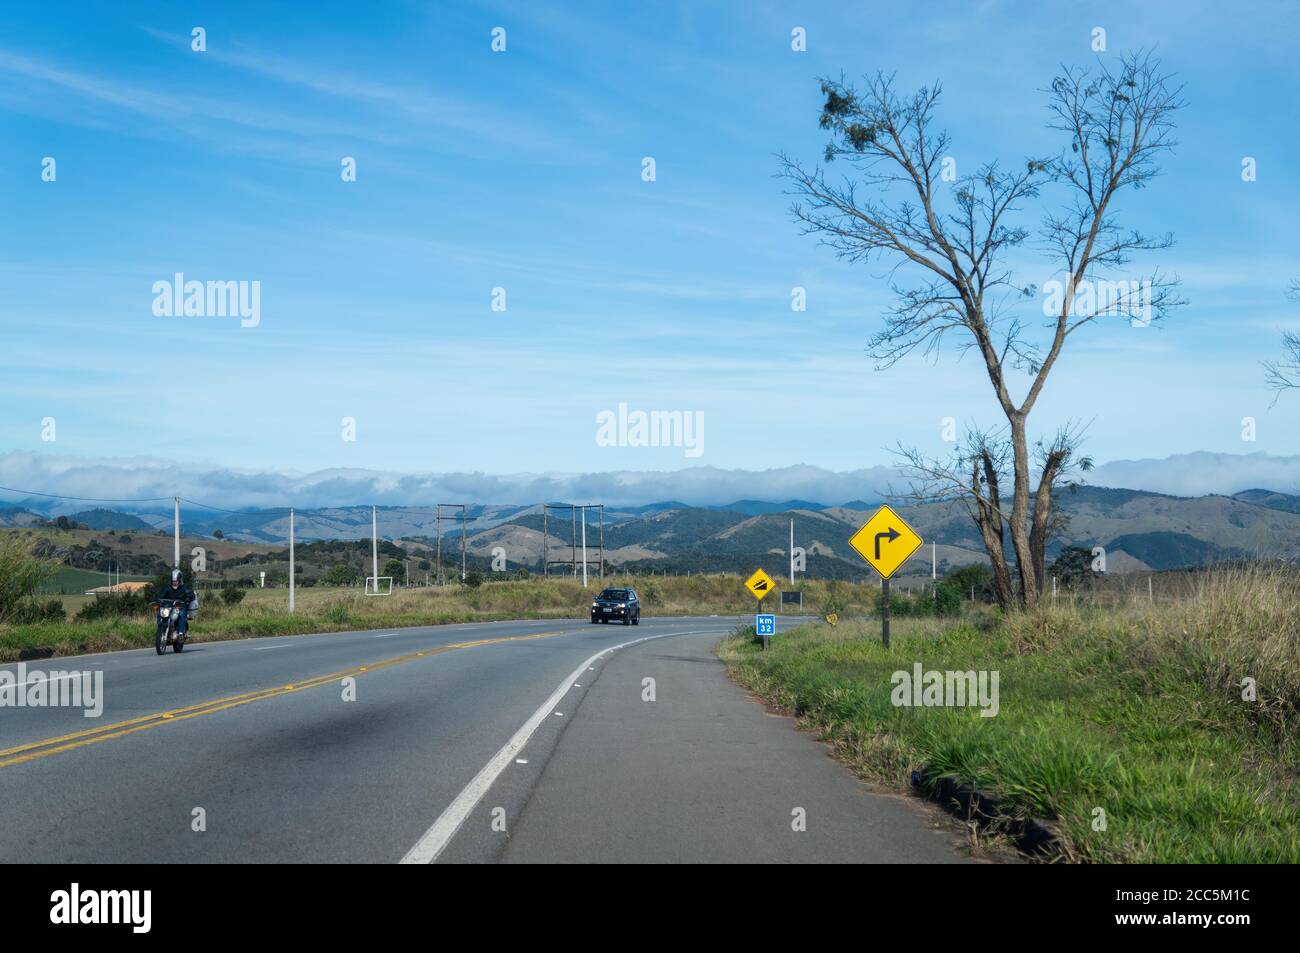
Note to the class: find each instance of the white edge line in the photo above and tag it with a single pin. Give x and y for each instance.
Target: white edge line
(437, 837)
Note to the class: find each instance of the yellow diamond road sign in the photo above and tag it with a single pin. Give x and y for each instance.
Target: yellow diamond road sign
(760, 584)
(885, 541)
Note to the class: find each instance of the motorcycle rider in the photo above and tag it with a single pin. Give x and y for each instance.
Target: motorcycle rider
(189, 601)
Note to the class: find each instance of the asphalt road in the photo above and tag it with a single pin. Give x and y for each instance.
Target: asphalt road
(520, 741)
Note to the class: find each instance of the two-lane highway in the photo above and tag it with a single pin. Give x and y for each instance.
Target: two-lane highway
(527, 741)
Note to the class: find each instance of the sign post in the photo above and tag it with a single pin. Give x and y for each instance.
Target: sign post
(884, 611)
(886, 542)
(759, 585)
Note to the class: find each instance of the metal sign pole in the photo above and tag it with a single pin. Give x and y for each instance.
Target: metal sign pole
(884, 611)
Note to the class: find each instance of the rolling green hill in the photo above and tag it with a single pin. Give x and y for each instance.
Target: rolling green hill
(1139, 530)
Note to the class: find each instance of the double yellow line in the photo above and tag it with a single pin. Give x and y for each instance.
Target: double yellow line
(91, 736)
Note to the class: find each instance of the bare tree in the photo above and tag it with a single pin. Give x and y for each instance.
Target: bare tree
(953, 239)
(974, 476)
(1285, 374)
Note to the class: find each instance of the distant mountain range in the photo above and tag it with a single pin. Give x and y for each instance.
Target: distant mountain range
(1139, 530)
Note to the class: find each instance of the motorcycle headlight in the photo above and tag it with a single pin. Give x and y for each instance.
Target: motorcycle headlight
(165, 613)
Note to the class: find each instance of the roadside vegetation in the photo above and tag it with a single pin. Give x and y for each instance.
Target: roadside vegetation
(1129, 726)
(80, 624)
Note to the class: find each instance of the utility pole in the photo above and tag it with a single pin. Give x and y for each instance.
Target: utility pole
(291, 566)
(584, 547)
(176, 530)
(374, 543)
(439, 576)
(792, 553)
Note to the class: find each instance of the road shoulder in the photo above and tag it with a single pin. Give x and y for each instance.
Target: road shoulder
(667, 761)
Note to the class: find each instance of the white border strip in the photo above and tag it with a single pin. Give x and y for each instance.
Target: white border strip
(437, 837)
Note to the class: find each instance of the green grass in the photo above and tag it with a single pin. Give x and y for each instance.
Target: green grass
(1130, 714)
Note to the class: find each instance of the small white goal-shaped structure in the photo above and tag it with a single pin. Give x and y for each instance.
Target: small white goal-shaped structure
(373, 585)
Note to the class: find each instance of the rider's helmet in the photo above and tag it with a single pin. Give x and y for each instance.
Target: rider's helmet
(177, 578)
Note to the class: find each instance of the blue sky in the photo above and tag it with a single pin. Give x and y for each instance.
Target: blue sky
(522, 170)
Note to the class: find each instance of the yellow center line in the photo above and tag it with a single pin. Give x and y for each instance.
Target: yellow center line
(31, 751)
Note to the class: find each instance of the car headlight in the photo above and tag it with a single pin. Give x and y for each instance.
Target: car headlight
(593, 605)
(622, 605)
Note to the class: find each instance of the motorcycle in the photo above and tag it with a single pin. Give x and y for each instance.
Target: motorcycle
(169, 617)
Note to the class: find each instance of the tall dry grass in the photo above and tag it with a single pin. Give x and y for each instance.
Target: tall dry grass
(1226, 629)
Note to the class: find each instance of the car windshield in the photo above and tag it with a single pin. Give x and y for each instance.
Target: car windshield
(614, 594)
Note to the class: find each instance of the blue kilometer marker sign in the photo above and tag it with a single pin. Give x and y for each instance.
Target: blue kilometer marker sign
(765, 624)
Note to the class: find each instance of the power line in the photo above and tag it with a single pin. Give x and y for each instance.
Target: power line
(84, 499)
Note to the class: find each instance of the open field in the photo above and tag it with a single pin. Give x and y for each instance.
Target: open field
(72, 583)
(1125, 727)
(265, 612)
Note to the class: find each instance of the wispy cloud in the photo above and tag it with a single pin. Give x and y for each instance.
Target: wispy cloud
(424, 108)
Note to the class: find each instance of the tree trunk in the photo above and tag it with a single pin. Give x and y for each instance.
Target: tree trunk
(988, 517)
(1029, 576)
(1043, 514)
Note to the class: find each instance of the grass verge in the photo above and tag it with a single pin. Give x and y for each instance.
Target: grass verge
(1126, 728)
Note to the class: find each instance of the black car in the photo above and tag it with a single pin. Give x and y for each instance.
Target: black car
(620, 604)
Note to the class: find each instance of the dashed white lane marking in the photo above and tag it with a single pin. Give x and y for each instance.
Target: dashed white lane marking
(437, 837)
(267, 648)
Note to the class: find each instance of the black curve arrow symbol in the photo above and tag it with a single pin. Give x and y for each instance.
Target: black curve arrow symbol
(891, 535)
